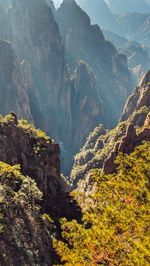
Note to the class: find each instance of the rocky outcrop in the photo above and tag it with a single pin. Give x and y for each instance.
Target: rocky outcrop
(13, 89)
(86, 42)
(102, 147)
(140, 97)
(34, 195)
(50, 60)
(137, 54)
(85, 104)
(38, 156)
(23, 236)
(126, 145)
(37, 40)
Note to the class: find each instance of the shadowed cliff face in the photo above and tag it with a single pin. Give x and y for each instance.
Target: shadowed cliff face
(26, 231)
(38, 156)
(84, 41)
(67, 98)
(3, 22)
(13, 90)
(23, 236)
(103, 146)
(99, 13)
(36, 38)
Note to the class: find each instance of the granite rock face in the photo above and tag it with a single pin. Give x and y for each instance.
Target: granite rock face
(23, 236)
(13, 89)
(86, 42)
(103, 146)
(140, 97)
(55, 58)
(34, 195)
(37, 40)
(39, 158)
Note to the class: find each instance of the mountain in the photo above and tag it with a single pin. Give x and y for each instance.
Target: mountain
(135, 26)
(43, 50)
(88, 44)
(137, 55)
(99, 13)
(13, 89)
(115, 201)
(138, 58)
(20, 204)
(34, 195)
(103, 146)
(58, 71)
(32, 191)
(67, 82)
(114, 38)
(118, 7)
(116, 213)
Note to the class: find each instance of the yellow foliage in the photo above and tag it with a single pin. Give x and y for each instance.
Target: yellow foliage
(116, 227)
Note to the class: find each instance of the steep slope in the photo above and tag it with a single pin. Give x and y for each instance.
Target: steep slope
(37, 40)
(13, 89)
(116, 39)
(137, 55)
(38, 156)
(53, 71)
(102, 146)
(24, 240)
(135, 26)
(99, 13)
(85, 106)
(3, 21)
(84, 41)
(28, 203)
(115, 228)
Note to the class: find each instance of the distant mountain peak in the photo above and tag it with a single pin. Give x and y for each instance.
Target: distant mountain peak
(123, 6)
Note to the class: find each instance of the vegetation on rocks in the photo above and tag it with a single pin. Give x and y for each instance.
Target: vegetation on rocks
(115, 229)
(20, 224)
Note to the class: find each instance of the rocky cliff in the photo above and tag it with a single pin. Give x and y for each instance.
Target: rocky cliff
(36, 39)
(99, 13)
(39, 157)
(23, 236)
(13, 89)
(32, 192)
(103, 146)
(86, 42)
(137, 54)
(65, 70)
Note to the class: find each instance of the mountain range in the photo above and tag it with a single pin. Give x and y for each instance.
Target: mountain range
(61, 68)
(76, 191)
(124, 6)
(35, 204)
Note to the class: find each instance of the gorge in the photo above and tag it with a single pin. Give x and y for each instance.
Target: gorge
(74, 133)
